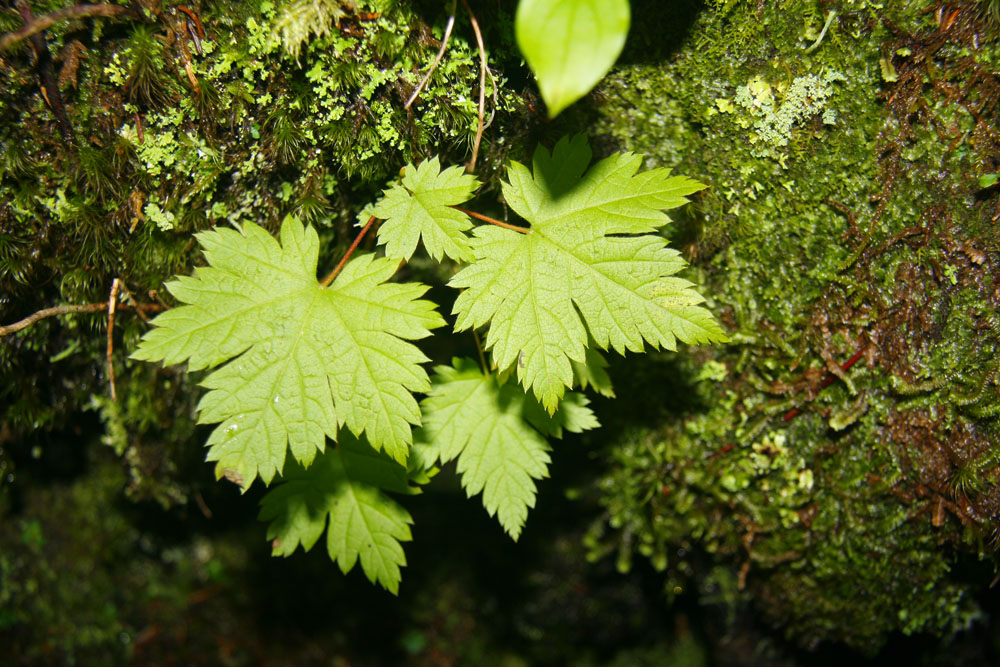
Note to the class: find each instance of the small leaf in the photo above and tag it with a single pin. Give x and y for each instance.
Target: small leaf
(420, 208)
(497, 434)
(342, 492)
(570, 44)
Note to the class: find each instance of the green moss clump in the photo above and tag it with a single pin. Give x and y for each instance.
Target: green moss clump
(843, 221)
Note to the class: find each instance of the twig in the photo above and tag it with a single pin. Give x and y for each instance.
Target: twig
(493, 221)
(49, 312)
(347, 255)
(112, 302)
(37, 25)
(437, 60)
(154, 295)
(197, 24)
(493, 86)
(482, 86)
(63, 310)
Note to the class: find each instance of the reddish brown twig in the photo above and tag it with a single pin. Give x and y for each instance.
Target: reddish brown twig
(492, 221)
(437, 59)
(482, 87)
(333, 274)
(194, 17)
(131, 300)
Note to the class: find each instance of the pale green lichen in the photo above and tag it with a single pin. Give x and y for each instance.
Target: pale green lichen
(772, 112)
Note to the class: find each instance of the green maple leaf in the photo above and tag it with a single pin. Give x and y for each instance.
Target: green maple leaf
(304, 359)
(420, 208)
(342, 492)
(590, 265)
(497, 433)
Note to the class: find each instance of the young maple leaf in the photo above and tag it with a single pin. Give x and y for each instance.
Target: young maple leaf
(589, 264)
(420, 207)
(304, 359)
(342, 491)
(498, 435)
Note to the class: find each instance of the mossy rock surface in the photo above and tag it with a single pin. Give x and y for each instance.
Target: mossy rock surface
(841, 454)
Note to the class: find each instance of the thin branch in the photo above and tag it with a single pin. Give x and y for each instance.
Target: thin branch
(63, 310)
(112, 302)
(493, 221)
(333, 274)
(482, 86)
(202, 505)
(437, 60)
(49, 312)
(41, 23)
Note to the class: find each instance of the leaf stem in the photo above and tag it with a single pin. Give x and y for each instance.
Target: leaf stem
(350, 251)
(492, 221)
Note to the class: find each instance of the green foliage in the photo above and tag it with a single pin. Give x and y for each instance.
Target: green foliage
(420, 208)
(497, 433)
(344, 485)
(303, 358)
(570, 44)
(588, 265)
(308, 359)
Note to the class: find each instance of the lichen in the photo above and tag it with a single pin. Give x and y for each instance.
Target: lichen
(771, 113)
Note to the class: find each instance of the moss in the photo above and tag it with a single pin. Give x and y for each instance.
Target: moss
(841, 218)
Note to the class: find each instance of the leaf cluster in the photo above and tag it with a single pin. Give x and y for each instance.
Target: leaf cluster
(297, 363)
